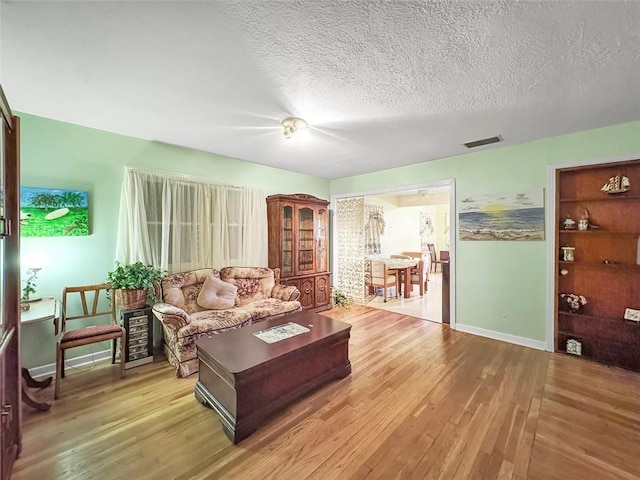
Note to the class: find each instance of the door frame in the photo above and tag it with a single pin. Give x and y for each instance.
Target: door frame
(452, 228)
(550, 234)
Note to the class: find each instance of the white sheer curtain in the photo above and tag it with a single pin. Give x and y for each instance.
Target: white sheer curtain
(181, 223)
(426, 231)
(373, 228)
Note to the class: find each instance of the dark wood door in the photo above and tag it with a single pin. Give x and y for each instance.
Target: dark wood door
(10, 386)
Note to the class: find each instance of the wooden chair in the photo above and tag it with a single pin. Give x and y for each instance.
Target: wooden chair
(380, 277)
(90, 334)
(417, 277)
(434, 259)
(425, 271)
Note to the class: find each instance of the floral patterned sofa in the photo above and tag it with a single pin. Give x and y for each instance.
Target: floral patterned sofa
(233, 297)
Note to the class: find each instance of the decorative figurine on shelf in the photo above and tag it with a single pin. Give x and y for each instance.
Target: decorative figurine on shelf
(574, 347)
(585, 222)
(568, 254)
(574, 303)
(569, 223)
(616, 184)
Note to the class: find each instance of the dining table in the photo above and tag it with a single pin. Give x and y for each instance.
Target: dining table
(403, 267)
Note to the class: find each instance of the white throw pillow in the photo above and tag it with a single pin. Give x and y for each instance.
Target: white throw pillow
(217, 294)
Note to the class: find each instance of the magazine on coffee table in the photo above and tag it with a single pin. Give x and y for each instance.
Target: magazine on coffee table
(281, 332)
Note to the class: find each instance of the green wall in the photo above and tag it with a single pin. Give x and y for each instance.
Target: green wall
(61, 155)
(501, 286)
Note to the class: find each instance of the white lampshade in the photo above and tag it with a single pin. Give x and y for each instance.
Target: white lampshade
(34, 260)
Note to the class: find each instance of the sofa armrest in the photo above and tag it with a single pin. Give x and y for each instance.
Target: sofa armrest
(287, 293)
(173, 317)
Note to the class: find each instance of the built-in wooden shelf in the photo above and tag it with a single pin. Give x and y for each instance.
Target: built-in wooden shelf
(586, 316)
(599, 231)
(609, 288)
(608, 198)
(601, 264)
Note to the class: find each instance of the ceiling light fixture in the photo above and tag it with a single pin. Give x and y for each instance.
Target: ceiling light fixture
(292, 124)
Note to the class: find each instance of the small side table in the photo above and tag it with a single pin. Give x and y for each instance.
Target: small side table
(42, 310)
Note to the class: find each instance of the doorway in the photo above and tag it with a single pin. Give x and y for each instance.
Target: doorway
(413, 216)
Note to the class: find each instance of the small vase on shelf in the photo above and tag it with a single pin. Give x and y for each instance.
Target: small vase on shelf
(569, 223)
(568, 253)
(570, 302)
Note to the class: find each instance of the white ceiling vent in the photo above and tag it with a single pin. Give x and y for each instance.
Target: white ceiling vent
(483, 141)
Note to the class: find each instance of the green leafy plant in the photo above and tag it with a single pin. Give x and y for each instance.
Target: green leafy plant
(29, 284)
(28, 289)
(135, 276)
(341, 300)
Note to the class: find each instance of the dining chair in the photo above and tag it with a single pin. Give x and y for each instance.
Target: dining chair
(381, 277)
(86, 335)
(434, 259)
(417, 277)
(425, 266)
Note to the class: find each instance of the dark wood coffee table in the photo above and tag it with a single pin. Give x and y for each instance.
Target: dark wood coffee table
(244, 379)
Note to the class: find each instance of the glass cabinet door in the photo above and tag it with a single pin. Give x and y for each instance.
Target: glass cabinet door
(287, 241)
(321, 240)
(306, 240)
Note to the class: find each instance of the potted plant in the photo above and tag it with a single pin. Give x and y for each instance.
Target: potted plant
(340, 299)
(134, 283)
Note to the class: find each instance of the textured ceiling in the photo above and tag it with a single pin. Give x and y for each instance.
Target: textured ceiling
(381, 83)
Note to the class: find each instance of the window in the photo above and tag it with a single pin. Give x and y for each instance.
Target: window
(180, 223)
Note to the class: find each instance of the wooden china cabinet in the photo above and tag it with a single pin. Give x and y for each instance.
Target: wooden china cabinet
(299, 246)
(598, 212)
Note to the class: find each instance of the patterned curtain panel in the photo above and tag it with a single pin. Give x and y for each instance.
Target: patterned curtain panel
(373, 228)
(349, 248)
(426, 231)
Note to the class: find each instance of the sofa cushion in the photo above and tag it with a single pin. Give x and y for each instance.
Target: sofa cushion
(254, 283)
(216, 294)
(270, 308)
(181, 289)
(210, 321)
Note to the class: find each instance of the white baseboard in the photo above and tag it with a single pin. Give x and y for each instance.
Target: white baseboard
(50, 369)
(504, 337)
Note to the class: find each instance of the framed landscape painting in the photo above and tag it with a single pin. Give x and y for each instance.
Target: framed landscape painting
(46, 212)
(506, 216)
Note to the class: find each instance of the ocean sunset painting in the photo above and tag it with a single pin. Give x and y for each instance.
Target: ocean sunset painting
(506, 216)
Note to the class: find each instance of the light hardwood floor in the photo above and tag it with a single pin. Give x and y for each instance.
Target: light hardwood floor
(427, 307)
(422, 402)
